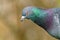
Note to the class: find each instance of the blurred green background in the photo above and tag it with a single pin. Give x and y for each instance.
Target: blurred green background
(11, 28)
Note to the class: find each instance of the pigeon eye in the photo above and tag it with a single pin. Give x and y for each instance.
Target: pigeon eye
(27, 14)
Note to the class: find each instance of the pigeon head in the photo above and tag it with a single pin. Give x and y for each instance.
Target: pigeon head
(26, 13)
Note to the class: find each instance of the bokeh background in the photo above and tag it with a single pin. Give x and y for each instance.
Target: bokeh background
(11, 28)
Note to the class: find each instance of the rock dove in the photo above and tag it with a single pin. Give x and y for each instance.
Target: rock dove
(48, 19)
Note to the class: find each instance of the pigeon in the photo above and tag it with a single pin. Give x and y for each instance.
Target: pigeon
(48, 19)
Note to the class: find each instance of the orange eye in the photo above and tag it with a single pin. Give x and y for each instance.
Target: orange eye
(27, 13)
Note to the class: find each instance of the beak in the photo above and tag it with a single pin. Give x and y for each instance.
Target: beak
(23, 18)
